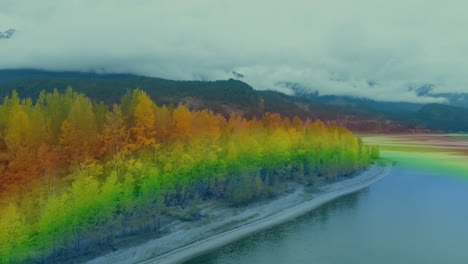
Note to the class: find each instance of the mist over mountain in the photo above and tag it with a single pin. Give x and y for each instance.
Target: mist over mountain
(173, 131)
(380, 50)
(232, 96)
(453, 99)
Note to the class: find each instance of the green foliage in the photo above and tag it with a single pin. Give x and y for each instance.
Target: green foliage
(95, 174)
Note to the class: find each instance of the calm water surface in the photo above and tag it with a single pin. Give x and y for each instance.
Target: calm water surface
(418, 214)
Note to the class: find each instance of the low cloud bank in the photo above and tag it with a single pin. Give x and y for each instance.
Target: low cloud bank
(384, 50)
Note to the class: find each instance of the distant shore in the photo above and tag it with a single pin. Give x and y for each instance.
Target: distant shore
(231, 224)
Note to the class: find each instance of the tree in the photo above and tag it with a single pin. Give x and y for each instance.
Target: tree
(54, 222)
(144, 122)
(83, 199)
(12, 233)
(108, 219)
(183, 122)
(163, 123)
(48, 158)
(19, 130)
(57, 108)
(114, 135)
(79, 132)
(91, 172)
(19, 137)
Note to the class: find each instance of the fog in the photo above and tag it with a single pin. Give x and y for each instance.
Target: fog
(386, 50)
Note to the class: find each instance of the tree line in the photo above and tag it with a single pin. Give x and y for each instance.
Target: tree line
(76, 173)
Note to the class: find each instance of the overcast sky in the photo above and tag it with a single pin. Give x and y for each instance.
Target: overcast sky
(369, 48)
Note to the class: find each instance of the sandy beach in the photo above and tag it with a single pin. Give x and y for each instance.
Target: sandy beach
(222, 226)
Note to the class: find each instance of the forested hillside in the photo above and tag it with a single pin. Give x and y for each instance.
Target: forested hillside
(224, 97)
(444, 117)
(76, 174)
(236, 97)
(435, 117)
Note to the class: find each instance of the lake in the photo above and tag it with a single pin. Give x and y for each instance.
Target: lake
(417, 214)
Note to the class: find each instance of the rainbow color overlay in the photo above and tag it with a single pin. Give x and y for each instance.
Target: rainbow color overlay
(443, 154)
(77, 174)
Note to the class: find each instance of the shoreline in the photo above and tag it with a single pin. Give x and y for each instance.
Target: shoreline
(181, 247)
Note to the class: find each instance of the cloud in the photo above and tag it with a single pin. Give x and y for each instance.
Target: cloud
(378, 49)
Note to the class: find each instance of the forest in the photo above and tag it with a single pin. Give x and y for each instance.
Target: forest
(222, 96)
(76, 173)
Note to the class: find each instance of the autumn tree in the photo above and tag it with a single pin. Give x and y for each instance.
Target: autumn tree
(79, 132)
(79, 172)
(183, 122)
(114, 135)
(12, 233)
(144, 122)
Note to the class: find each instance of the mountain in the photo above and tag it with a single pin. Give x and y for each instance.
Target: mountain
(456, 99)
(452, 99)
(386, 107)
(229, 97)
(225, 97)
(450, 117)
(444, 117)
(7, 34)
(24, 75)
